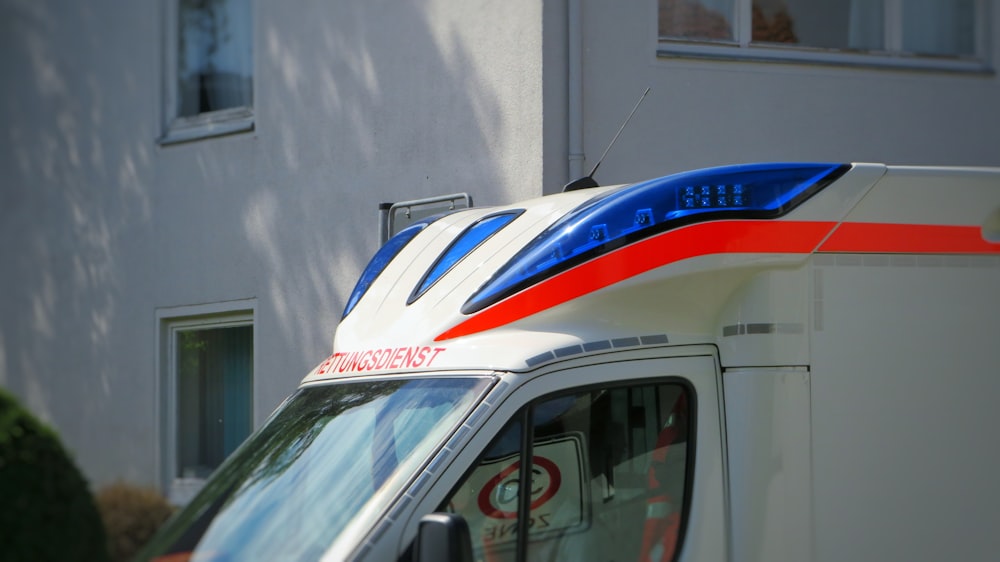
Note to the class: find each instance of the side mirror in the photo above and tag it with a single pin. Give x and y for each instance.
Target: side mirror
(443, 537)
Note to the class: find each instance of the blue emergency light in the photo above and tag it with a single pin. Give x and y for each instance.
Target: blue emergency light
(466, 242)
(631, 213)
(381, 259)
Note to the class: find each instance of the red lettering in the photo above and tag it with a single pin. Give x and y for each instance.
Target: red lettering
(397, 357)
(366, 361)
(355, 359)
(323, 366)
(411, 352)
(436, 351)
(421, 356)
(379, 359)
(386, 357)
(337, 357)
(345, 362)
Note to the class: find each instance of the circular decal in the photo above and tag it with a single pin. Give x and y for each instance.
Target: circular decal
(498, 498)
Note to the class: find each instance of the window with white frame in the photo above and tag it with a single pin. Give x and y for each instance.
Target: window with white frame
(209, 68)
(208, 385)
(918, 33)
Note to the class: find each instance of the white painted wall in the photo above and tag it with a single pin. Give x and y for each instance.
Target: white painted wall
(101, 227)
(712, 112)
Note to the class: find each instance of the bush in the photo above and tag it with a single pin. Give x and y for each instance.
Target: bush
(131, 515)
(46, 509)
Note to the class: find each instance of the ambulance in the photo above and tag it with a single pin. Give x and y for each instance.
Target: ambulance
(762, 362)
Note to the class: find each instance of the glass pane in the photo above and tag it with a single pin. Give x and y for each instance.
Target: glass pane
(214, 69)
(609, 473)
(939, 27)
(468, 241)
(488, 498)
(214, 396)
(320, 473)
(828, 24)
(607, 479)
(696, 19)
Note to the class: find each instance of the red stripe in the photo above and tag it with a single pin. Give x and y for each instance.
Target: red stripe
(908, 239)
(720, 237)
(723, 237)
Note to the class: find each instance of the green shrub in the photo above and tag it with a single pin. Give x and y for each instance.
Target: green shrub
(131, 515)
(46, 509)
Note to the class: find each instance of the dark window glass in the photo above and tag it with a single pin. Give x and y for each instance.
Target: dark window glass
(608, 479)
(214, 62)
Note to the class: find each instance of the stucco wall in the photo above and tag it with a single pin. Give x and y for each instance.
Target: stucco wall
(704, 112)
(101, 227)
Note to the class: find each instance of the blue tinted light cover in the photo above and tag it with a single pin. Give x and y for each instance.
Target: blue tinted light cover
(382, 258)
(466, 242)
(616, 218)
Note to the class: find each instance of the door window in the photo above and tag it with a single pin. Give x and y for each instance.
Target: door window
(608, 478)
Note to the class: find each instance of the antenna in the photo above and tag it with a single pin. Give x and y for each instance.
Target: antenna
(588, 180)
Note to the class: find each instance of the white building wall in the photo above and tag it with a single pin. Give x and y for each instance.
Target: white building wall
(102, 228)
(704, 112)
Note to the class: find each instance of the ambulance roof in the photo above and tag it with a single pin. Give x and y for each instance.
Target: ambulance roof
(510, 287)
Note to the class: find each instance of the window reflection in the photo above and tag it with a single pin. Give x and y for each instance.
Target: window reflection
(936, 28)
(332, 459)
(214, 56)
(693, 19)
(608, 479)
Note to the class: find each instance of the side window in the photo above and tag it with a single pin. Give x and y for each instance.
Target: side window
(608, 478)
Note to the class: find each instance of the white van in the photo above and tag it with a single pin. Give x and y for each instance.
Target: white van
(749, 363)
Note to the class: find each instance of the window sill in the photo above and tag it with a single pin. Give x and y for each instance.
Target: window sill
(208, 125)
(810, 56)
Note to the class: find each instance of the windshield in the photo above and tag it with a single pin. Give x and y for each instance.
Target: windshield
(333, 456)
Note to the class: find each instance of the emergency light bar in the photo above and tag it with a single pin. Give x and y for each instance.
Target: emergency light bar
(382, 258)
(466, 242)
(622, 216)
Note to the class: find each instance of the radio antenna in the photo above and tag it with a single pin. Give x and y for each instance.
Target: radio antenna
(588, 180)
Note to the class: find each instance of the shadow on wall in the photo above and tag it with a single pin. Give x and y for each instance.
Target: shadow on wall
(355, 104)
(75, 191)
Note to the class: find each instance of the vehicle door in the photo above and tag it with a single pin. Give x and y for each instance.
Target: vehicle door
(626, 463)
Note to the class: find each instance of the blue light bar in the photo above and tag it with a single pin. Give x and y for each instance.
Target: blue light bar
(381, 259)
(616, 218)
(462, 246)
